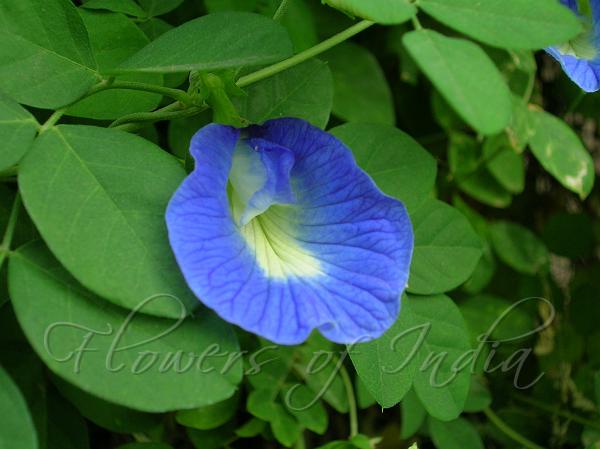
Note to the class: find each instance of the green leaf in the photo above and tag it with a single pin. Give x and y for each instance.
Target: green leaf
(468, 163)
(519, 70)
(479, 397)
(300, 402)
(16, 429)
(446, 250)
(319, 369)
(561, 153)
(159, 7)
(464, 154)
(114, 355)
(519, 248)
(154, 28)
(210, 439)
(57, 423)
(106, 414)
(213, 6)
(98, 198)
(251, 428)
(210, 416)
(380, 11)
(261, 403)
(45, 57)
(504, 163)
(107, 33)
(443, 378)
(181, 131)
(269, 366)
(145, 446)
(300, 24)
(17, 131)
(597, 386)
(361, 441)
(457, 434)
(297, 17)
(519, 129)
(387, 365)
(397, 163)
(285, 429)
(490, 314)
(529, 24)
(342, 444)
(465, 76)
(486, 267)
(129, 7)
(364, 398)
(304, 91)
(413, 415)
(213, 42)
(483, 187)
(361, 92)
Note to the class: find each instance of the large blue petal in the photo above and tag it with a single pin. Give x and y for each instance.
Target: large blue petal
(586, 74)
(583, 72)
(333, 254)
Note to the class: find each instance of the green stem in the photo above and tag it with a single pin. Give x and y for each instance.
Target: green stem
(304, 55)
(10, 229)
(169, 112)
(353, 414)
(416, 23)
(56, 115)
(175, 94)
(557, 411)
(509, 431)
(178, 109)
(300, 442)
(281, 10)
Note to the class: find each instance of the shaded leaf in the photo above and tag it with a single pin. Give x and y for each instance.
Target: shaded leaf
(457, 434)
(16, 429)
(530, 24)
(381, 11)
(397, 163)
(98, 198)
(443, 378)
(304, 91)
(519, 248)
(17, 131)
(446, 251)
(119, 357)
(213, 42)
(45, 47)
(114, 38)
(361, 92)
(465, 76)
(561, 153)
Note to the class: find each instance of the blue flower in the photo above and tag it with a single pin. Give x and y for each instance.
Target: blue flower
(280, 232)
(580, 57)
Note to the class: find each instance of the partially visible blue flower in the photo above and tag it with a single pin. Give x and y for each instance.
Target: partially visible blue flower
(280, 232)
(580, 57)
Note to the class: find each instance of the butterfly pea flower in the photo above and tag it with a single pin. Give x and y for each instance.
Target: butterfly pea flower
(580, 57)
(280, 232)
